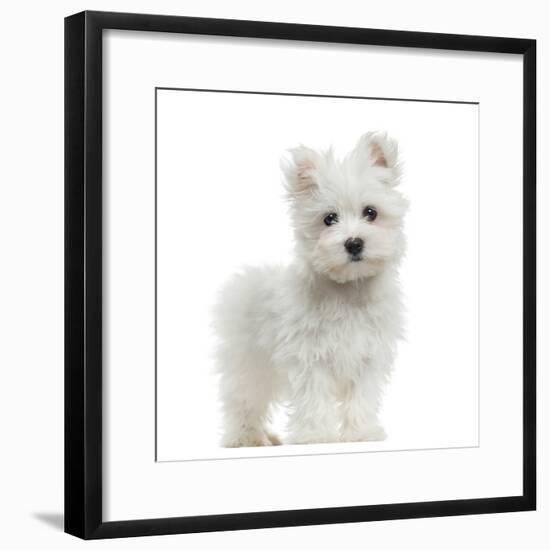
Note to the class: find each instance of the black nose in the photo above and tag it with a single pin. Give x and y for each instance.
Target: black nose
(354, 246)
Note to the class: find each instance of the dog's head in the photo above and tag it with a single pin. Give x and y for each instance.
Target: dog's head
(347, 214)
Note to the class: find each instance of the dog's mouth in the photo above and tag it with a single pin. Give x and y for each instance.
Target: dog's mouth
(356, 257)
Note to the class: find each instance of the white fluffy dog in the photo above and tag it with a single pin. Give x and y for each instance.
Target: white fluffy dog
(319, 335)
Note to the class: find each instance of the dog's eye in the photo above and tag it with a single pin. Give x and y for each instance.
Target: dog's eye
(331, 218)
(370, 213)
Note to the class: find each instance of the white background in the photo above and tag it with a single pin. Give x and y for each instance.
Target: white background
(31, 218)
(221, 206)
(134, 63)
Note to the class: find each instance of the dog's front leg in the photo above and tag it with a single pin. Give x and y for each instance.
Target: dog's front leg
(360, 407)
(313, 416)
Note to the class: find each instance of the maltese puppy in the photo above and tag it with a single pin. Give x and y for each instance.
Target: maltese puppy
(319, 335)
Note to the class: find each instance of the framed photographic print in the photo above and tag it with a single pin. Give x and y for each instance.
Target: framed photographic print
(300, 274)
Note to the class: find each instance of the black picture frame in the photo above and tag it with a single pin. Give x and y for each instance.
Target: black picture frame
(83, 273)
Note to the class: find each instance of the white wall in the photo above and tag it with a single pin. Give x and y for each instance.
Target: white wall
(31, 249)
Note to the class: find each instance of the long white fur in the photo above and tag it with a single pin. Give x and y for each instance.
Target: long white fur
(320, 334)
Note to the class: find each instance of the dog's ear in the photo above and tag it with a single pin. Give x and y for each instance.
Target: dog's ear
(379, 150)
(300, 170)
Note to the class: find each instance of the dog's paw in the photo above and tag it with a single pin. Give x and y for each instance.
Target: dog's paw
(251, 438)
(273, 438)
(371, 433)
